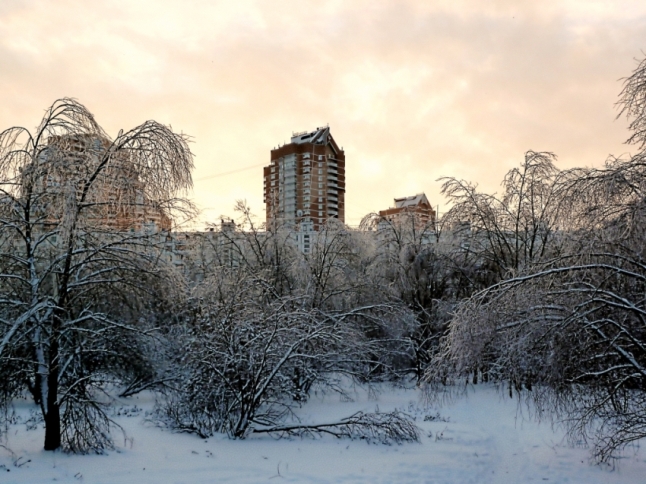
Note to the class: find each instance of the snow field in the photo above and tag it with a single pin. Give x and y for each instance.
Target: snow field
(481, 438)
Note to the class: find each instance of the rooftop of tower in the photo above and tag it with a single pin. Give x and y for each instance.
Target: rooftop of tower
(318, 137)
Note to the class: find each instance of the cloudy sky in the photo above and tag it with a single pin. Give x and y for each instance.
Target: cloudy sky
(412, 90)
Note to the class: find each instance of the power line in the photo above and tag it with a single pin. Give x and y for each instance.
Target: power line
(229, 172)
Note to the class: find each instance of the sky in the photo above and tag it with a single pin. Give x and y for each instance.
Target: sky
(413, 90)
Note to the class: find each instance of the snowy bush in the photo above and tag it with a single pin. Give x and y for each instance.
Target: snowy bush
(248, 357)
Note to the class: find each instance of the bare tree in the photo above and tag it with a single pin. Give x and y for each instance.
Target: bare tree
(249, 359)
(266, 323)
(632, 103)
(569, 330)
(572, 335)
(79, 217)
(338, 271)
(514, 230)
(246, 245)
(416, 263)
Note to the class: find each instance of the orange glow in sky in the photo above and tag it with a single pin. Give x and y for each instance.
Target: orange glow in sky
(412, 90)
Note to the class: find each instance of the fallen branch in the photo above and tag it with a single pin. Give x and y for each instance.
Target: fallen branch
(384, 428)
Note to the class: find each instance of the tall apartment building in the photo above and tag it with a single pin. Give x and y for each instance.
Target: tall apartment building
(304, 183)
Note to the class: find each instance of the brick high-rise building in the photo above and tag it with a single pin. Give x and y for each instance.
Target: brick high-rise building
(305, 181)
(416, 208)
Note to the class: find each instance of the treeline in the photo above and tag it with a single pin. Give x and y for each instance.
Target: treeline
(262, 323)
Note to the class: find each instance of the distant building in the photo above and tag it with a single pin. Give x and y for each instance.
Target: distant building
(305, 181)
(305, 237)
(416, 208)
(117, 200)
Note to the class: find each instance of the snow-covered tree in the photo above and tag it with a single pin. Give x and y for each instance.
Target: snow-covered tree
(248, 359)
(569, 330)
(511, 231)
(80, 215)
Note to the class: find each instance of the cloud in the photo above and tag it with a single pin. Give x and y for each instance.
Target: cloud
(413, 90)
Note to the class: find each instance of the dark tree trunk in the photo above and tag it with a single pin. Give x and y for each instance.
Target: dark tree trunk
(52, 417)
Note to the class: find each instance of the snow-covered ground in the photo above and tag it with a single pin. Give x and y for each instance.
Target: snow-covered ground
(478, 439)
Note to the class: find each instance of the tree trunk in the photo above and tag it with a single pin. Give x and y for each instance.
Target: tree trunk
(52, 417)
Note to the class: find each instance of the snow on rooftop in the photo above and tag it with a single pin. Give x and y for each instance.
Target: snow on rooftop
(411, 201)
(318, 136)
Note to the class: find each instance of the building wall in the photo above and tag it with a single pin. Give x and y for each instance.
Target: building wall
(305, 181)
(408, 210)
(119, 198)
(422, 215)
